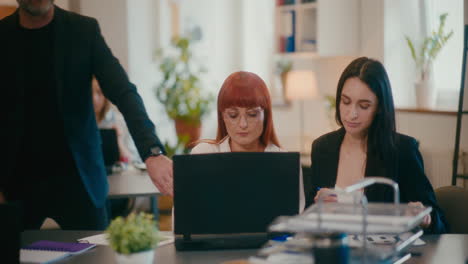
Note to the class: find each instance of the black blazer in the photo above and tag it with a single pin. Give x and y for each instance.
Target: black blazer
(79, 53)
(409, 174)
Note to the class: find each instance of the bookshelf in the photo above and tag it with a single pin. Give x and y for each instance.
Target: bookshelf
(311, 29)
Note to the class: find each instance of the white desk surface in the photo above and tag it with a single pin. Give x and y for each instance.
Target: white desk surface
(131, 183)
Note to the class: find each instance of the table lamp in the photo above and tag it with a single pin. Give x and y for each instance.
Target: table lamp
(301, 85)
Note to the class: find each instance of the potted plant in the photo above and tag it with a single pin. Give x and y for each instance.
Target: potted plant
(283, 67)
(180, 90)
(133, 238)
(330, 105)
(424, 58)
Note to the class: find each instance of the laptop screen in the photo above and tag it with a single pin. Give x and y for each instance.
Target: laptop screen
(230, 193)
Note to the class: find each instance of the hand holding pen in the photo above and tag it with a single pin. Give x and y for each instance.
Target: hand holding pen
(328, 195)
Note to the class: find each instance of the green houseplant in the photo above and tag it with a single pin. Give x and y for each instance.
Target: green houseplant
(282, 68)
(424, 57)
(133, 238)
(180, 90)
(330, 104)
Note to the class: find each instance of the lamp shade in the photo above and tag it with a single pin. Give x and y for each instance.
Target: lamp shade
(301, 85)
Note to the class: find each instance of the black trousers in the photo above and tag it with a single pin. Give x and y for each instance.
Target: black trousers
(57, 193)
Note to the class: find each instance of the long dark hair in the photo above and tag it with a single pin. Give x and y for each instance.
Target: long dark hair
(382, 132)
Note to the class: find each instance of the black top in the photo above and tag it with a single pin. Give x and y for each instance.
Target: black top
(42, 141)
(409, 174)
(44, 136)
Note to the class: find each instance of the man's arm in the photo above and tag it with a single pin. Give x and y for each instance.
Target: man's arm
(118, 89)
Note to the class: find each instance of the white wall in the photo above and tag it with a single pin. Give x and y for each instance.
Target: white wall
(145, 25)
(448, 64)
(401, 18)
(112, 18)
(372, 25)
(257, 37)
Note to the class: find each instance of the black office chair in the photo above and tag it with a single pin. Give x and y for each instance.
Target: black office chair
(453, 201)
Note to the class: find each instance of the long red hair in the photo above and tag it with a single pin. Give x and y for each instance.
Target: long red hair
(246, 89)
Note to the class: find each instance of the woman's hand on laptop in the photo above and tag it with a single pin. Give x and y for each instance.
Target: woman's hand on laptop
(160, 171)
(328, 195)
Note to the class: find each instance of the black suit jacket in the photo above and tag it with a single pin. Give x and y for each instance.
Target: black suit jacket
(409, 174)
(79, 53)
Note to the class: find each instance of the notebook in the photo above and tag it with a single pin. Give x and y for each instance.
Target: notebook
(45, 251)
(227, 200)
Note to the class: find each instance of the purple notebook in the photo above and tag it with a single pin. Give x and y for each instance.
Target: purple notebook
(45, 251)
(72, 248)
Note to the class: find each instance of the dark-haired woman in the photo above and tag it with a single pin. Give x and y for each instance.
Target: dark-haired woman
(367, 144)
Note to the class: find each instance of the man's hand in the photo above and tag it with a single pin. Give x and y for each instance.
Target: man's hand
(2, 198)
(160, 171)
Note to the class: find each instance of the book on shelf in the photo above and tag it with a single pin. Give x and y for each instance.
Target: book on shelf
(287, 32)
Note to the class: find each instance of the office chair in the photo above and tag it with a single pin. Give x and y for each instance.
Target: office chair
(452, 200)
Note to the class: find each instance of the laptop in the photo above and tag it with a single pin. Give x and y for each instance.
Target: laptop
(110, 146)
(227, 200)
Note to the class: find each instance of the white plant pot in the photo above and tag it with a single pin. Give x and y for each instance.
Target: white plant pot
(425, 94)
(145, 257)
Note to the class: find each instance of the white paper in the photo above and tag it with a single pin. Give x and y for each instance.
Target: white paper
(101, 239)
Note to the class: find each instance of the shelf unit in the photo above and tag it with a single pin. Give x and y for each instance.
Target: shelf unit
(312, 29)
(463, 99)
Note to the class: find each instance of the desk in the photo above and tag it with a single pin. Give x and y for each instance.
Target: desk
(132, 183)
(439, 249)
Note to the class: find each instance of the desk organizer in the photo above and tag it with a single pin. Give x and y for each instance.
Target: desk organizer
(373, 232)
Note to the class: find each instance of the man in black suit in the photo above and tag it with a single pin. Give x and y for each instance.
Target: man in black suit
(55, 166)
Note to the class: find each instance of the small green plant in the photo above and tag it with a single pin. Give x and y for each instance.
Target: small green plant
(330, 103)
(135, 233)
(430, 47)
(179, 148)
(283, 66)
(180, 89)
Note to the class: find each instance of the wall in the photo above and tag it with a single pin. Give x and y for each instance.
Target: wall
(436, 134)
(112, 18)
(401, 18)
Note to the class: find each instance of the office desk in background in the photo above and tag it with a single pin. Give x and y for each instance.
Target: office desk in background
(439, 249)
(133, 182)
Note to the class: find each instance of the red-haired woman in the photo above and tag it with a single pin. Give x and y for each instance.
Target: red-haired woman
(245, 122)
